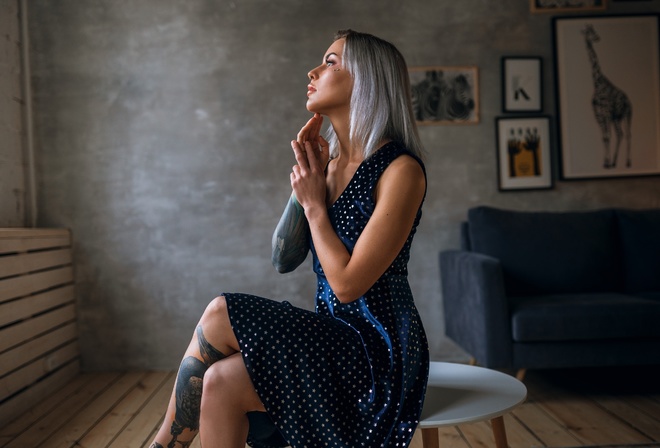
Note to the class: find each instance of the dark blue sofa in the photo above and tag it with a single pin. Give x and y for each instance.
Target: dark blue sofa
(555, 289)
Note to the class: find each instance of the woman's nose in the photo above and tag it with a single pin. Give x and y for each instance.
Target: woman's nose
(312, 74)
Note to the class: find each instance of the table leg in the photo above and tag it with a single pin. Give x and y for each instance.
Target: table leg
(430, 438)
(499, 432)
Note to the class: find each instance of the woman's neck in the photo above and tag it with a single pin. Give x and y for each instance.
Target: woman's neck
(347, 151)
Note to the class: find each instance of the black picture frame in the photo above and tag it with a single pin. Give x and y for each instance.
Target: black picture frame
(563, 6)
(608, 95)
(522, 84)
(524, 153)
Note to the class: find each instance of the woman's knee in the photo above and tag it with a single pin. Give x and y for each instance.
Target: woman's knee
(216, 329)
(229, 382)
(216, 307)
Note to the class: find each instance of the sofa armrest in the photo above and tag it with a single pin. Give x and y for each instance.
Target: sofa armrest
(475, 305)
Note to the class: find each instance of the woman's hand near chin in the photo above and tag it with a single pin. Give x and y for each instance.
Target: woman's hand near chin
(311, 132)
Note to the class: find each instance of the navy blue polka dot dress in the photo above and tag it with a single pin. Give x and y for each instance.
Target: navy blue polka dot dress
(347, 375)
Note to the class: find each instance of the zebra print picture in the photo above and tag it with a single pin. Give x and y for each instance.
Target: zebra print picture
(445, 95)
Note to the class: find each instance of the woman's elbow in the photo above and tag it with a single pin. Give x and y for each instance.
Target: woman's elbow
(348, 293)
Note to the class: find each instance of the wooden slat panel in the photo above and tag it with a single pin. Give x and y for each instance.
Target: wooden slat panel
(31, 373)
(21, 403)
(15, 287)
(36, 261)
(23, 240)
(20, 333)
(38, 354)
(26, 307)
(16, 357)
(27, 232)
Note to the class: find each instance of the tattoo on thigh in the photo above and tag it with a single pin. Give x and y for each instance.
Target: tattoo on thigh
(156, 445)
(209, 353)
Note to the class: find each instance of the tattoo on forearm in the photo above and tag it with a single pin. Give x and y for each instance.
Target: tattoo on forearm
(291, 238)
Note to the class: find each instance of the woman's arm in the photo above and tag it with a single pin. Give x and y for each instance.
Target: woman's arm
(291, 238)
(290, 242)
(399, 194)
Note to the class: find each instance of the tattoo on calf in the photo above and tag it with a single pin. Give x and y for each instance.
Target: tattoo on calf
(209, 353)
(188, 394)
(188, 390)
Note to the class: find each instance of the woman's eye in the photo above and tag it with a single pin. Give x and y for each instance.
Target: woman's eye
(329, 63)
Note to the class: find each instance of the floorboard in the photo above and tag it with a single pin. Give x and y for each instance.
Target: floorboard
(568, 408)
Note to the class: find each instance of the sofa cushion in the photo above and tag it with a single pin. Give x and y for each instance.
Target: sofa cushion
(653, 295)
(584, 317)
(550, 252)
(640, 244)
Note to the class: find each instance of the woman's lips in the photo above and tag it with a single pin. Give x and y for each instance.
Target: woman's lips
(310, 90)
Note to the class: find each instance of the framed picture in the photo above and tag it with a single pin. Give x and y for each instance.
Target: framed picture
(522, 89)
(608, 88)
(567, 5)
(445, 95)
(523, 153)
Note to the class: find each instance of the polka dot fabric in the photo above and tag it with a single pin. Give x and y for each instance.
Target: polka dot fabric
(347, 375)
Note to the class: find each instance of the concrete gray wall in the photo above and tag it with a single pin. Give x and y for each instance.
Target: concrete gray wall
(12, 172)
(162, 129)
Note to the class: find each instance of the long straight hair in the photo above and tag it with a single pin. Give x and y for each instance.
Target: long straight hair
(381, 104)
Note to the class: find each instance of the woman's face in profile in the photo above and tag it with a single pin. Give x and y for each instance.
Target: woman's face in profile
(330, 86)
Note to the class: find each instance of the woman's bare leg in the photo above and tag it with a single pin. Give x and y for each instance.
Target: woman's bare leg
(228, 396)
(213, 341)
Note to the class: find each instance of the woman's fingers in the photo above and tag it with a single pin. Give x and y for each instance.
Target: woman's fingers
(300, 155)
(312, 157)
(305, 131)
(324, 151)
(311, 130)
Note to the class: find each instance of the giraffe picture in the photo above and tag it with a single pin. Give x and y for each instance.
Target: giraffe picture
(608, 89)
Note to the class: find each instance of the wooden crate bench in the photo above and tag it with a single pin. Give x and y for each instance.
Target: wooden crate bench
(39, 350)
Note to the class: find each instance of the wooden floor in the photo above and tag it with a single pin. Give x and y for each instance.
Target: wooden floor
(564, 409)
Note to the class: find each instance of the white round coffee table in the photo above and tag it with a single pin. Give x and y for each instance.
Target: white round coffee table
(459, 393)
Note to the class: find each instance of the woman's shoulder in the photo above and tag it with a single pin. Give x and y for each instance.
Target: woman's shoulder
(399, 157)
(405, 166)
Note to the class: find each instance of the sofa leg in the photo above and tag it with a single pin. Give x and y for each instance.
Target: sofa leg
(520, 374)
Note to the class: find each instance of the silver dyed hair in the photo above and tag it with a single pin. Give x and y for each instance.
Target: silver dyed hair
(381, 104)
